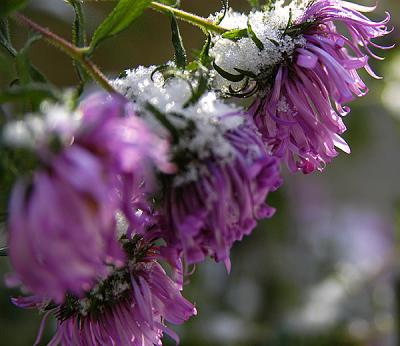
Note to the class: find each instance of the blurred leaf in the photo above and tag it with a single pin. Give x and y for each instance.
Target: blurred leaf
(201, 88)
(3, 252)
(14, 163)
(254, 3)
(180, 52)
(23, 69)
(26, 71)
(6, 66)
(5, 39)
(8, 6)
(34, 92)
(36, 75)
(119, 19)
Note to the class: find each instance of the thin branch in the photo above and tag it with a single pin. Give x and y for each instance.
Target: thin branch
(198, 21)
(76, 53)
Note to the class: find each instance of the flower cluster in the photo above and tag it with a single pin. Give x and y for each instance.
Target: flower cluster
(165, 171)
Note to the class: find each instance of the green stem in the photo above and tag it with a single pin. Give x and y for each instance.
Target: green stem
(77, 54)
(201, 22)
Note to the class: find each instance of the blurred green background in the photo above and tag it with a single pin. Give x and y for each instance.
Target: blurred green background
(325, 269)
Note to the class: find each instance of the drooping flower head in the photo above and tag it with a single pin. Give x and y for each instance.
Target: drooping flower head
(225, 172)
(128, 307)
(305, 71)
(207, 215)
(62, 234)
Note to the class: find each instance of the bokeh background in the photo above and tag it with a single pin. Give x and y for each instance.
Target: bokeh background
(325, 269)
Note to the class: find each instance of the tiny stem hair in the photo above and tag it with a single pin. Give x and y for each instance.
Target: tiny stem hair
(76, 53)
(190, 18)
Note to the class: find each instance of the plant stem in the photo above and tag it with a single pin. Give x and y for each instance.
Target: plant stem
(198, 21)
(77, 54)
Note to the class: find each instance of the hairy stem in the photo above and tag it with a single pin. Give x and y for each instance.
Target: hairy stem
(77, 54)
(198, 21)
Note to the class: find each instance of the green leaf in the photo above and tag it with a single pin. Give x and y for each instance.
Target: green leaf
(33, 92)
(180, 52)
(119, 19)
(8, 6)
(254, 37)
(204, 56)
(23, 69)
(26, 71)
(235, 34)
(229, 76)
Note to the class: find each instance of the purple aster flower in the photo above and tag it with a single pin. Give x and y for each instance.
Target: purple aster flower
(300, 116)
(129, 307)
(62, 231)
(224, 170)
(129, 147)
(206, 215)
(61, 226)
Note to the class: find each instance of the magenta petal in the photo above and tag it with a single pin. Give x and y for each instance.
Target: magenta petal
(205, 217)
(307, 60)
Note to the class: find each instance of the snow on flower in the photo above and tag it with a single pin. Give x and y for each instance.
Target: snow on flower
(308, 75)
(225, 171)
(62, 226)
